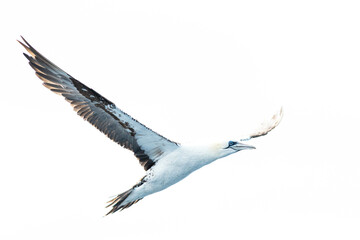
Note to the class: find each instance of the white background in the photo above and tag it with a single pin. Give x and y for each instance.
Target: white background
(192, 71)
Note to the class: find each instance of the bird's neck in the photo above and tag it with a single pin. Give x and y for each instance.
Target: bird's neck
(205, 154)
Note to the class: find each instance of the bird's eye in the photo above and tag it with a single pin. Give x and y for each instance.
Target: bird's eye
(231, 143)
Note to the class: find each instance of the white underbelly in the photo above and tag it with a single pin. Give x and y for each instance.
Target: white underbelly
(170, 170)
(162, 176)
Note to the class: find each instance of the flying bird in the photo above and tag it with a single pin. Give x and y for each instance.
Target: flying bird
(165, 162)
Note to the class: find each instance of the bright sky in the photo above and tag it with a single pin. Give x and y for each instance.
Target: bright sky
(193, 71)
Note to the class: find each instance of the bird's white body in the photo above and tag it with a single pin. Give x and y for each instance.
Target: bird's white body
(166, 162)
(174, 167)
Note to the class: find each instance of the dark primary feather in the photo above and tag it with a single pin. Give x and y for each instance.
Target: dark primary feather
(147, 145)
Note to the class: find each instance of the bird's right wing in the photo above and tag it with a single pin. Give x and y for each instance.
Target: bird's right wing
(147, 145)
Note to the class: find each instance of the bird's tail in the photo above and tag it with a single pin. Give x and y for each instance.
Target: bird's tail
(121, 201)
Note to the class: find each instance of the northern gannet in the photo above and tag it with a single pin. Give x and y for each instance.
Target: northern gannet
(165, 162)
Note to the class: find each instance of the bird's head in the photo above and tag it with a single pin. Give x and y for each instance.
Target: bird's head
(229, 147)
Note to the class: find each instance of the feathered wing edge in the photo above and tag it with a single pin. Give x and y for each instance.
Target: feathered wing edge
(266, 126)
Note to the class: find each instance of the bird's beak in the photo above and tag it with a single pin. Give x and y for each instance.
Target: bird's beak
(241, 146)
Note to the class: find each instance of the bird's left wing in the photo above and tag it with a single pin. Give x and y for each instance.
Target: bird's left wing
(265, 127)
(147, 145)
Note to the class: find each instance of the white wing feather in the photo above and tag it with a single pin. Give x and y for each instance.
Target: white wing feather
(266, 126)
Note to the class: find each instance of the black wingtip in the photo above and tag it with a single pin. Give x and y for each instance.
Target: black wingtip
(26, 45)
(27, 56)
(23, 39)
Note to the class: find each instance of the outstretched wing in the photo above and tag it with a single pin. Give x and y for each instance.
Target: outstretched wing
(147, 145)
(266, 126)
